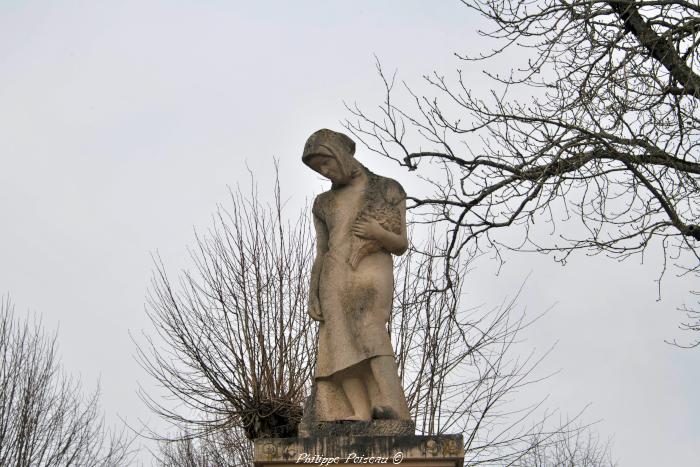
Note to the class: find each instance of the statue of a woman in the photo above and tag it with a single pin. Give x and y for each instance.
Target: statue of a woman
(360, 222)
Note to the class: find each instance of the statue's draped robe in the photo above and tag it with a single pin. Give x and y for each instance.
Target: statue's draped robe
(355, 302)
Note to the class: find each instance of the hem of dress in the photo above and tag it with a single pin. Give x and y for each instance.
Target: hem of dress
(330, 374)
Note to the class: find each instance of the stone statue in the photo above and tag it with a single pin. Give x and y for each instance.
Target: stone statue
(360, 222)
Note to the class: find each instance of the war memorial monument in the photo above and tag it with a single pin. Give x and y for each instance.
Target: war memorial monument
(357, 411)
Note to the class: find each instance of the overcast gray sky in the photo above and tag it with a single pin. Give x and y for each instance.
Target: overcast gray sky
(122, 123)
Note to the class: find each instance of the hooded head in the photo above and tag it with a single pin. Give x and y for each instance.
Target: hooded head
(338, 151)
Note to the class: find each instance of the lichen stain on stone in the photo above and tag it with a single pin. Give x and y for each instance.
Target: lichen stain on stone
(357, 302)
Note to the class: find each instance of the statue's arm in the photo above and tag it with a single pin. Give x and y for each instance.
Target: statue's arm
(371, 229)
(399, 244)
(321, 248)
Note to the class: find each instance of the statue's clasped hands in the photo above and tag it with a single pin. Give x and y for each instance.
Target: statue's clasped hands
(368, 228)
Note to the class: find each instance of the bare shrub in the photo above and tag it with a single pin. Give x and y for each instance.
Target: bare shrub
(44, 420)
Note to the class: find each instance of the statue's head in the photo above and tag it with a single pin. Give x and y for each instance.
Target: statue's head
(332, 155)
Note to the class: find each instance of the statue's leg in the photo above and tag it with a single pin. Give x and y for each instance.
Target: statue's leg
(393, 400)
(375, 395)
(355, 390)
(328, 401)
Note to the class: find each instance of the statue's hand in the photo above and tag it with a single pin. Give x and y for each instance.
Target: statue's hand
(315, 311)
(368, 228)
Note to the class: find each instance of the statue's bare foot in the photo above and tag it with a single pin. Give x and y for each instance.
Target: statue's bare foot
(381, 412)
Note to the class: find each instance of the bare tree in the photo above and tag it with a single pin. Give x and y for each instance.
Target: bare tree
(44, 421)
(224, 448)
(240, 342)
(462, 366)
(579, 448)
(692, 323)
(597, 124)
(238, 346)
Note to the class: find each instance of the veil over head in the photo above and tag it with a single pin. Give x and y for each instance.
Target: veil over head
(330, 143)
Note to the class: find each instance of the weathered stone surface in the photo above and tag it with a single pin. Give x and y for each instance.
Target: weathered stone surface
(361, 428)
(407, 451)
(360, 222)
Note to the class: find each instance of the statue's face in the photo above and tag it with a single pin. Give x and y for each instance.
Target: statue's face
(329, 167)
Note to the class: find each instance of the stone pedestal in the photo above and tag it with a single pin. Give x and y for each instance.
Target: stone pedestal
(407, 451)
